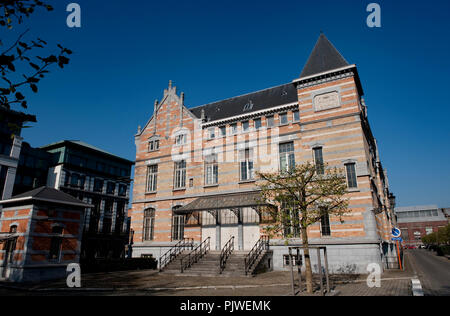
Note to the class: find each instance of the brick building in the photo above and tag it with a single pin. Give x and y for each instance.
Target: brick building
(41, 231)
(418, 221)
(195, 167)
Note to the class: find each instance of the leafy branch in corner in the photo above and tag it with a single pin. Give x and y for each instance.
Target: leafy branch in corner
(23, 55)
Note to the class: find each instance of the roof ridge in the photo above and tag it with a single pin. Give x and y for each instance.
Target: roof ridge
(239, 96)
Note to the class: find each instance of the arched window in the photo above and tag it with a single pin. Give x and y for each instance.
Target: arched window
(149, 224)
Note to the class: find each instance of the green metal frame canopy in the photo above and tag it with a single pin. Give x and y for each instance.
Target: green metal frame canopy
(224, 201)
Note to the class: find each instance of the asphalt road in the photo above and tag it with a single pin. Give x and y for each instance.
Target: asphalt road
(432, 271)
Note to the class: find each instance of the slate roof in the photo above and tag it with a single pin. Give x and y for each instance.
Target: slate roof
(47, 194)
(324, 57)
(248, 103)
(219, 202)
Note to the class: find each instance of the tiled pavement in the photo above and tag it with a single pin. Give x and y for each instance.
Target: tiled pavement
(153, 283)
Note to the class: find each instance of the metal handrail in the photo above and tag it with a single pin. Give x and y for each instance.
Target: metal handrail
(250, 259)
(173, 252)
(196, 254)
(226, 252)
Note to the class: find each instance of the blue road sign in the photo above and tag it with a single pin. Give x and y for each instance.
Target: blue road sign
(396, 232)
(400, 239)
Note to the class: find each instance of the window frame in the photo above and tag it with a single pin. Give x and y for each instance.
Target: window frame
(287, 155)
(152, 171)
(320, 167)
(149, 224)
(347, 165)
(245, 126)
(281, 115)
(325, 225)
(212, 170)
(247, 159)
(255, 125)
(179, 180)
(294, 119)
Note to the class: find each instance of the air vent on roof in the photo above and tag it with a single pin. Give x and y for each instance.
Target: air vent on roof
(248, 106)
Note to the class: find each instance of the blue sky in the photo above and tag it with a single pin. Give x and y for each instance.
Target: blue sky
(126, 52)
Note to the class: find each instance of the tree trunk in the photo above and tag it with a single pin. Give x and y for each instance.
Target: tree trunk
(309, 276)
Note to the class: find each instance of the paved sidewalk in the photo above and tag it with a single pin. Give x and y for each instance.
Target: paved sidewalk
(152, 283)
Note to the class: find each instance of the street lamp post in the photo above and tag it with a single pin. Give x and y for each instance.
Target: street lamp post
(392, 204)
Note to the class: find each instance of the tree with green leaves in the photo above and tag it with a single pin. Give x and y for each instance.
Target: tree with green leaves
(300, 197)
(24, 63)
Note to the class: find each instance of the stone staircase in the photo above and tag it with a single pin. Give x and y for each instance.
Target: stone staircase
(174, 267)
(209, 265)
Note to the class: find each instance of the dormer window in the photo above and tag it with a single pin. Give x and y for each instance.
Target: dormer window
(180, 139)
(153, 145)
(248, 106)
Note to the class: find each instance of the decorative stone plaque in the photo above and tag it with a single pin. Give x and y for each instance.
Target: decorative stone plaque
(327, 101)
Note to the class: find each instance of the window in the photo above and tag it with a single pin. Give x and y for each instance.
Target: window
(257, 123)
(325, 225)
(297, 260)
(55, 244)
(233, 129)
(107, 223)
(180, 174)
(283, 118)
(211, 170)
(109, 205)
(287, 157)
(98, 185)
(110, 188)
(318, 160)
(246, 165)
(153, 145)
(245, 126)
(296, 116)
(122, 189)
(120, 217)
(149, 224)
(177, 225)
(291, 222)
(212, 133)
(223, 131)
(82, 182)
(270, 121)
(152, 176)
(74, 180)
(95, 215)
(180, 139)
(351, 175)
(101, 167)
